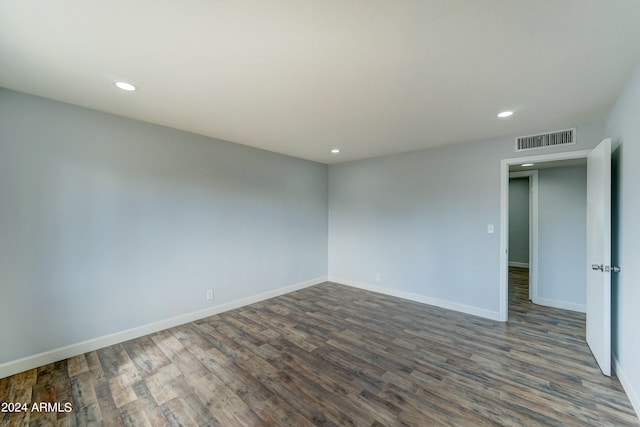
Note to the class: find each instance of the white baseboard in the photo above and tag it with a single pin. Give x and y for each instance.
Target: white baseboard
(518, 264)
(450, 305)
(51, 356)
(632, 394)
(564, 305)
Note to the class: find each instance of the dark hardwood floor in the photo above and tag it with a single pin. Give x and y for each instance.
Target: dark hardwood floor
(335, 355)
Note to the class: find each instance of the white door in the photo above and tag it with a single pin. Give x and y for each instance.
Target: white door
(599, 254)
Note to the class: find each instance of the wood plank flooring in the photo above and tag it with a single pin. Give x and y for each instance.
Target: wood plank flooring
(337, 356)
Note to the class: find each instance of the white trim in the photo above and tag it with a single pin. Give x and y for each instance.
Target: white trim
(449, 305)
(504, 216)
(518, 264)
(51, 356)
(580, 308)
(632, 394)
(533, 236)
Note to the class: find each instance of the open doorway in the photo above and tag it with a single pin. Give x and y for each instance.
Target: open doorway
(523, 228)
(598, 244)
(514, 166)
(547, 232)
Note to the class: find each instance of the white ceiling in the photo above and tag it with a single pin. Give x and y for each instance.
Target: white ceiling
(550, 164)
(300, 77)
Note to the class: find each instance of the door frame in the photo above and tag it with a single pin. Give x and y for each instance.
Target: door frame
(533, 229)
(503, 313)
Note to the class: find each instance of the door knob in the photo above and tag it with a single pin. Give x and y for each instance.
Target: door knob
(605, 268)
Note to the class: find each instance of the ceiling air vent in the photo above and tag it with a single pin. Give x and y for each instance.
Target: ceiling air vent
(543, 140)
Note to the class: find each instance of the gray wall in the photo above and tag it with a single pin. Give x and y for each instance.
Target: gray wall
(108, 223)
(623, 126)
(519, 220)
(562, 237)
(420, 219)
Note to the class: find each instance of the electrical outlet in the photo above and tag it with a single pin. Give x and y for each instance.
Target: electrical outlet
(209, 294)
(377, 277)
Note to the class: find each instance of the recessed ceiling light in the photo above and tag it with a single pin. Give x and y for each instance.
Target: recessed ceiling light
(335, 151)
(505, 114)
(126, 86)
(527, 164)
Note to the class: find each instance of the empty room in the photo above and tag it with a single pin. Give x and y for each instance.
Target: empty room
(292, 213)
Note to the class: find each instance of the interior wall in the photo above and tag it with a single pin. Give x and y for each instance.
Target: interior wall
(624, 128)
(562, 237)
(420, 220)
(112, 223)
(109, 223)
(519, 221)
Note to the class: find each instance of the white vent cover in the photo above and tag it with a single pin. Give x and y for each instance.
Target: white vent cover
(543, 140)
